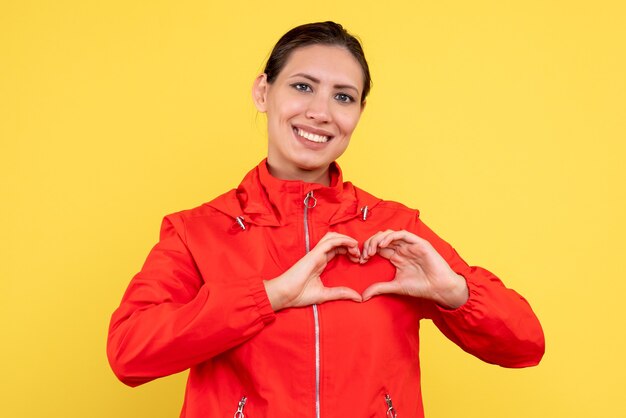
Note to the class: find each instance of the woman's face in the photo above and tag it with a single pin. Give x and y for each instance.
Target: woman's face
(312, 107)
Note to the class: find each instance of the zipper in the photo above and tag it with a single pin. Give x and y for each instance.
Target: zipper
(310, 204)
(239, 412)
(391, 411)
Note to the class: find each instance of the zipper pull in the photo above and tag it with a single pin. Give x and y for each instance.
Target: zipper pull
(391, 412)
(307, 200)
(242, 403)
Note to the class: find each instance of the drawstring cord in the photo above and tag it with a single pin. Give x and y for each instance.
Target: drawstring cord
(239, 220)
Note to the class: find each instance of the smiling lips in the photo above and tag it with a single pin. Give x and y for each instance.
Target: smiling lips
(311, 136)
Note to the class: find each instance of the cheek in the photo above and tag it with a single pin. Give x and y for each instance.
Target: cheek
(347, 121)
(286, 109)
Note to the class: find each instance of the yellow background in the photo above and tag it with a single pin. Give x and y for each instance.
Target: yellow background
(503, 121)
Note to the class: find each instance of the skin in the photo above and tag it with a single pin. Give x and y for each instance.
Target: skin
(319, 91)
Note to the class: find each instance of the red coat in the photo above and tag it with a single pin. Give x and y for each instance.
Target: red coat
(199, 303)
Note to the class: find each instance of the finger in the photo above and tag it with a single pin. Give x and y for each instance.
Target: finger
(340, 293)
(386, 252)
(340, 245)
(371, 244)
(404, 236)
(336, 251)
(337, 240)
(380, 288)
(352, 253)
(331, 235)
(364, 254)
(366, 243)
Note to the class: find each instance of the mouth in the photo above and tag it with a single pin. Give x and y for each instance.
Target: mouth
(310, 136)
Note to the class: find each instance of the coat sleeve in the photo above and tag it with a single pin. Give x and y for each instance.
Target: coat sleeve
(496, 324)
(170, 319)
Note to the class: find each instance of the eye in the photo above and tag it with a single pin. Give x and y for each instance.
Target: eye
(301, 87)
(344, 98)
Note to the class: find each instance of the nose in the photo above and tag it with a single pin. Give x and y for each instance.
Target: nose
(318, 109)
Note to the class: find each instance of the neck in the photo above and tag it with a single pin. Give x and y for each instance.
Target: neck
(320, 176)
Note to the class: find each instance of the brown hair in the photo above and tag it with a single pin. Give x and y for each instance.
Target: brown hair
(324, 33)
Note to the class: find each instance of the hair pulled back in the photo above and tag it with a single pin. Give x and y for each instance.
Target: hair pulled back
(320, 33)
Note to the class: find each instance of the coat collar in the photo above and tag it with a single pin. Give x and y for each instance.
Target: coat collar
(262, 199)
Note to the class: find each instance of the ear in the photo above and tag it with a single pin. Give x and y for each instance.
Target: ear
(363, 106)
(259, 92)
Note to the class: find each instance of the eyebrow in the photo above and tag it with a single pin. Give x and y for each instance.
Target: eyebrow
(316, 80)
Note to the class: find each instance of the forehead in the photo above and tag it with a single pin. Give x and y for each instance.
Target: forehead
(325, 62)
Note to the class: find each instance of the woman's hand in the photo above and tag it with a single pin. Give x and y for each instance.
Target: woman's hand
(301, 284)
(420, 270)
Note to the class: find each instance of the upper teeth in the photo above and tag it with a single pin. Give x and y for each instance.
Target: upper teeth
(312, 137)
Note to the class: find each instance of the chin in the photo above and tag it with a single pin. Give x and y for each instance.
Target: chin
(310, 166)
(312, 163)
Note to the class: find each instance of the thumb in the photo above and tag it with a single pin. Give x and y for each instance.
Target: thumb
(379, 288)
(340, 293)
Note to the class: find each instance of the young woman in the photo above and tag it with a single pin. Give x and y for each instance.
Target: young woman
(299, 294)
